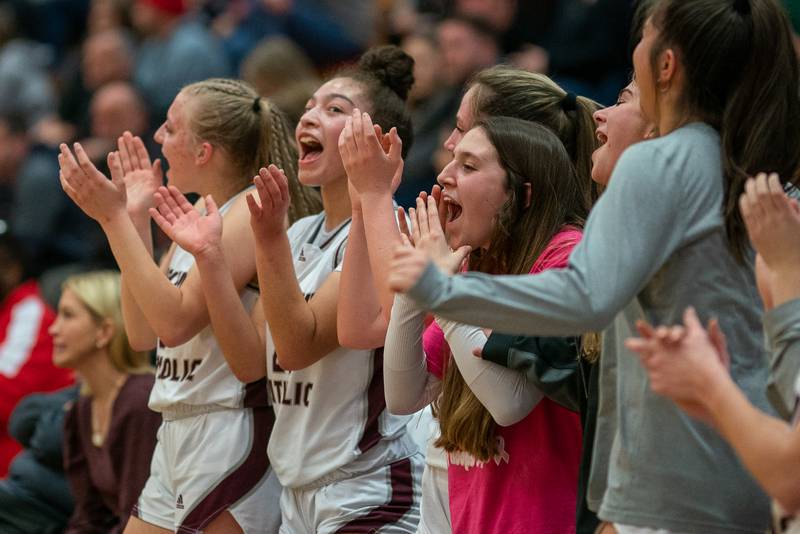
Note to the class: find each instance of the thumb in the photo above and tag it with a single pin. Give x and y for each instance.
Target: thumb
(396, 145)
(462, 253)
(477, 352)
(158, 172)
(690, 319)
(211, 206)
(115, 167)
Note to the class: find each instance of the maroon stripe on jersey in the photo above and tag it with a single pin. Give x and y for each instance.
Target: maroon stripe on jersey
(376, 403)
(255, 394)
(400, 502)
(240, 481)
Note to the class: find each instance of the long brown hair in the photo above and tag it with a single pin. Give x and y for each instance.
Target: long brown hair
(530, 154)
(741, 78)
(252, 131)
(503, 91)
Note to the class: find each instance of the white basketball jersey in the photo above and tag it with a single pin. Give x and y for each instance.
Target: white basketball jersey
(196, 373)
(331, 412)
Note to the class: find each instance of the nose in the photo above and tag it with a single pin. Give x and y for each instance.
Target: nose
(600, 115)
(159, 135)
(451, 142)
(309, 118)
(446, 178)
(53, 329)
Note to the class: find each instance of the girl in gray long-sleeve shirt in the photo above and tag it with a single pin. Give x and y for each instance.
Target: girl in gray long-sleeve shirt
(657, 242)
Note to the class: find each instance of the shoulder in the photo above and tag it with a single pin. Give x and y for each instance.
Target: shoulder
(305, 225)
(687, 152)
(556, 254)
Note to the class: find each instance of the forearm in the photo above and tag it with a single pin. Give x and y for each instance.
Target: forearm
(768, 447)
(240, 339)
(782, 329)
(506, 394)
(408, 385)
(785, 285)
(382, 237)
(295, 328)
(541, 304)
(360, 322)
(162, 304)
(140, 335)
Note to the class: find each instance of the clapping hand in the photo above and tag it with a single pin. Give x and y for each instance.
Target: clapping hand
(268, 213)
(196, 233)
(100, 198)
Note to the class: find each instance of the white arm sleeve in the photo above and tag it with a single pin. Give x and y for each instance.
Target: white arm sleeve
(506, 393)
(408, 385)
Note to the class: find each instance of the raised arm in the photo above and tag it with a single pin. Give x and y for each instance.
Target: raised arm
(773, 224)
(303, 330)
(374, 166)
(175, 314)
(239, 334)
(407, 384)
(141, 179)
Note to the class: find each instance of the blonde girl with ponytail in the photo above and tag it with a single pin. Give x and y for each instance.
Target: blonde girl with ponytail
(210, 472)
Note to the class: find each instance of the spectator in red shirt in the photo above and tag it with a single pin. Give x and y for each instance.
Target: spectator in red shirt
(25, 346)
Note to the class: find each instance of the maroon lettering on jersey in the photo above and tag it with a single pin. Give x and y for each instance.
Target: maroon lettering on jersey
(176, 370)
(280, 393)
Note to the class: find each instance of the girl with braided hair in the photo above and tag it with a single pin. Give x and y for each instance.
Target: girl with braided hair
(209, 472)
(346, 464)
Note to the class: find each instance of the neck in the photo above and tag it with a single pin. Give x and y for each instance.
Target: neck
(336, 203)
(100, 375)
(220, 184)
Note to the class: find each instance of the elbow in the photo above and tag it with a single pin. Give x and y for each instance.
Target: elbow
(508, 417)
(142, 343)
(176, 335)
(247, 376)
(288, 363)
(787, 495)
(399, 408)
(360, 340)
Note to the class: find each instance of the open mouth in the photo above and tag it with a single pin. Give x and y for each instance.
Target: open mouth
(453, 209)
(603, 138)
(310, 148)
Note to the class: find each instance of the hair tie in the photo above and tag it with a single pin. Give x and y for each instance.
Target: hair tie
(569, 102)
(742, 7)
(257, 104)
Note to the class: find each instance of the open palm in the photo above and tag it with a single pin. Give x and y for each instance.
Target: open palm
(192, 231)
(142, 178)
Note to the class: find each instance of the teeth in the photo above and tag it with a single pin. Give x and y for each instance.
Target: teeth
(308, 140)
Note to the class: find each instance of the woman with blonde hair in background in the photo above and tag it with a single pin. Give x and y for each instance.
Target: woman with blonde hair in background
(109, 433)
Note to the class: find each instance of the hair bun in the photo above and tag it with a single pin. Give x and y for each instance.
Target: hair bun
(391, 67)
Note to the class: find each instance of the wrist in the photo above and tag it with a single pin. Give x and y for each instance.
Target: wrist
(111, 221)
(210, 254)
(716, 388)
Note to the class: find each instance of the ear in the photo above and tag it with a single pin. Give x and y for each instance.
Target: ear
(528, 194)
(203, 153)
(105, 333)
(667, 68)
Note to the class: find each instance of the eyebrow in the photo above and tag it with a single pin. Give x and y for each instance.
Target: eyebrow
(339, 95)
(625, 91)
(466, 155)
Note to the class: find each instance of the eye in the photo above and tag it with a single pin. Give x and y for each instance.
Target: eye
(335, 109)
(467, 167)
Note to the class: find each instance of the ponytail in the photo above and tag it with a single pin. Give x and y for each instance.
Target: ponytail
(742, 78)
(252, 132)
